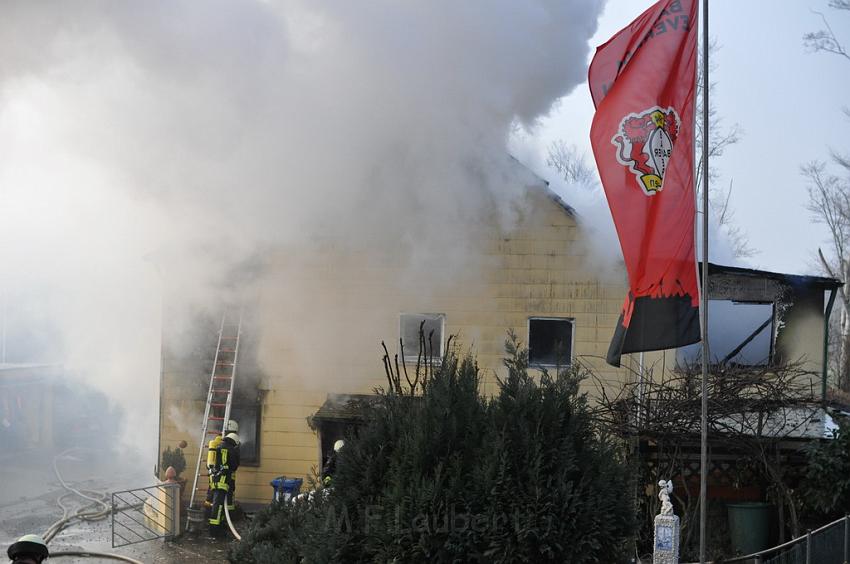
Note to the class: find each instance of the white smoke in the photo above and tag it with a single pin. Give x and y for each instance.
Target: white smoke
(154, 145)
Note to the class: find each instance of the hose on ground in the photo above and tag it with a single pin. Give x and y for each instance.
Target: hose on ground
(95, 511)
(98, 509)
(94, 554)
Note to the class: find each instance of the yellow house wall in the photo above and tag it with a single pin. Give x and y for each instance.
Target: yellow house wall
(322, 325)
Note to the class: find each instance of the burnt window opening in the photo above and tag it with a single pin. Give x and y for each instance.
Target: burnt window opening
(432, 326)
(248, 416)
(550, 341)
(340, 417)
(739, 333)
(329, 433)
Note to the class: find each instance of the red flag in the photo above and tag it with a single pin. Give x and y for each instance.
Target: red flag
(642, 82)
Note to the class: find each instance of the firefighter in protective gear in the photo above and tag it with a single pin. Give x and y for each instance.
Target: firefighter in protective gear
(329, 467)
(212, 449)
(232, 428)
(221, 476)
(234, 455)
(29, 549)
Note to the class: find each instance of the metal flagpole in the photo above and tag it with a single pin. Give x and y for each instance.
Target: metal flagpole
(703, 474)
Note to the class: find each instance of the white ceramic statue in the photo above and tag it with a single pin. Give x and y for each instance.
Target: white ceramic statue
(664, 495)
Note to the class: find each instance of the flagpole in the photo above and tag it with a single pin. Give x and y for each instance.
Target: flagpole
(703, 476)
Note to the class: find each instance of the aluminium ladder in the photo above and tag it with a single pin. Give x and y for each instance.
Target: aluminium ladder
(220, 394)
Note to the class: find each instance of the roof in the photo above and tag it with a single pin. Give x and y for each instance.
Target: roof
(24, 366)
(793, 422)
(17, 374)
(560, 201)
(536, 181)
(345, 407)
(789, 279)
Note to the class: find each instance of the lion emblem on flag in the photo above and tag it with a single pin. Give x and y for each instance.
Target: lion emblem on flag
(645, 142)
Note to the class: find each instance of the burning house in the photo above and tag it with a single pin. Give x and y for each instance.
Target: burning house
(313, 337)
(310, 347)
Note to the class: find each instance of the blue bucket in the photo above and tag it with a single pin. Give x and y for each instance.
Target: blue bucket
(285, 488)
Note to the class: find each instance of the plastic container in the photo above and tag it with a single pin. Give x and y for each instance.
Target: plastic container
(749, 526)
(285, 488)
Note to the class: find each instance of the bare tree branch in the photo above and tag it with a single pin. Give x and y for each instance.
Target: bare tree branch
(825, 39)
(570, 163)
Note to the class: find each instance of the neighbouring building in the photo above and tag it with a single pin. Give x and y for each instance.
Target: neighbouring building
(27, 406)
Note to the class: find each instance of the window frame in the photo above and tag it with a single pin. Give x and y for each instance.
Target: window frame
(413, 358)
(258, 406)
(772, 336)
(572, 321)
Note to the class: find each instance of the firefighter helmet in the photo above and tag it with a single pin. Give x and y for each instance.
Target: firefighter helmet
(233, 437)
(232, 426)
(338, 445)
(29, 545)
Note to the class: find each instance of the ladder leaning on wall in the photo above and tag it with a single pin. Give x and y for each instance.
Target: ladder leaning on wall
(220, 394)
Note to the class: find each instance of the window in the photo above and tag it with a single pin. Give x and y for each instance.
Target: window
(248, 417)
(738, 333)
(550, 341)
(432, 325)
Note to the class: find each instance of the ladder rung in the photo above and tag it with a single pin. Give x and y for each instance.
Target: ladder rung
(214, 418)
(218, 404)
(222, 391)
(222, 377)
(227, 350)
(224, 364)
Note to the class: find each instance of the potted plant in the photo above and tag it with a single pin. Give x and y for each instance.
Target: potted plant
(175, 459)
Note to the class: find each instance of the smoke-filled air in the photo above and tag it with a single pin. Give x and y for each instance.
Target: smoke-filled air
(149, 150)
(411, 281)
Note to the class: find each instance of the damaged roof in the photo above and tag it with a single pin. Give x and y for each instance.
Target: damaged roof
(345, 407)
(534, 181)
(789, 279)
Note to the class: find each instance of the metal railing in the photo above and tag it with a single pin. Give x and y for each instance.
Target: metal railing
(829, 544)
(145, 514)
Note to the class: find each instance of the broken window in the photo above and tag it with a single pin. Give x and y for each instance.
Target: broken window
(430, 325)
(738, 333)
(248, 417)
(550, 341)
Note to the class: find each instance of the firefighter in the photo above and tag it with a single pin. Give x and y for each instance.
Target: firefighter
(29, 549)
(233, 429)
(212, 448)
(329, 467)
(227, 461)
(234, 455)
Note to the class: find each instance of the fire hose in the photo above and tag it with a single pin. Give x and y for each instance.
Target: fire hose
(98, 509)
(230, 523)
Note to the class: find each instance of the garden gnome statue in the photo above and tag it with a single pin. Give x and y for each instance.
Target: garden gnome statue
(666, 546)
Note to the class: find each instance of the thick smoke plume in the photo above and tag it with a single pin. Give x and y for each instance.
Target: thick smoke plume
(148, 148)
